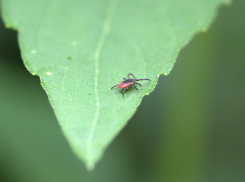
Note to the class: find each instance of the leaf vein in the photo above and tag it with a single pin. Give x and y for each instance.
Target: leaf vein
(106, 29)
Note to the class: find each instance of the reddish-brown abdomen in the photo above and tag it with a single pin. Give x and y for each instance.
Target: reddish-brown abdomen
(124, 85)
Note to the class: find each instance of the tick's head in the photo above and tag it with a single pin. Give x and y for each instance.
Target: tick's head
(129, 81)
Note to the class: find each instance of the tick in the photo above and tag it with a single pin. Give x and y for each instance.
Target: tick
(126, 83)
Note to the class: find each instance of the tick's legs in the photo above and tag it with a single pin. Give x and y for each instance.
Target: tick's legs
(137, 83)
(114, 86)
(135, 87)
(124, 79)
(131, 74)
(143, 79)
(126, 89)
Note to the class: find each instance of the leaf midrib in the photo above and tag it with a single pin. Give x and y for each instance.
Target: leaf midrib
(106, 29)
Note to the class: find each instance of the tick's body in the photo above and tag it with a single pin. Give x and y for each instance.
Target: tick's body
(128, 83)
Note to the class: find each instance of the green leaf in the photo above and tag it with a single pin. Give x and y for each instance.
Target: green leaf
(80, 49)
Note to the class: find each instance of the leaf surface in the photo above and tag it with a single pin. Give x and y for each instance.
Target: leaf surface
(80, 49)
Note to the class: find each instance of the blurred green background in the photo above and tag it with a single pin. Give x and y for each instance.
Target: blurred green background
(191, 128)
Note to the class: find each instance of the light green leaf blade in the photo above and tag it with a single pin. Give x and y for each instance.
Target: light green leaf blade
(80, 49)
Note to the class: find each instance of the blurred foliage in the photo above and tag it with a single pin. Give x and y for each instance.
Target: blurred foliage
(191, 128)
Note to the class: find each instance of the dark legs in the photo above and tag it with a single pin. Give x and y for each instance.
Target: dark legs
(114, 86)
(126, 89)
(137, 83)
(132, 75)
(136, 78)
(130, 86)
(143, 79)
(135, 86)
